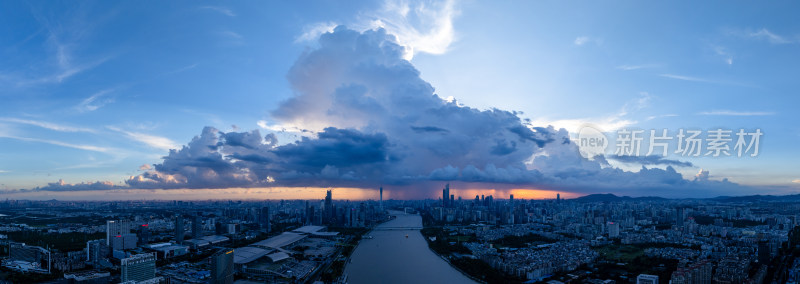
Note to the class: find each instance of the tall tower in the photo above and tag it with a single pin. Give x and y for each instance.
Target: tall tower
(446, 196)
(328, 206)
(197, 226)
(179, 228)
(116, 228)
(381, 199)
(266, 218)
(558, 197)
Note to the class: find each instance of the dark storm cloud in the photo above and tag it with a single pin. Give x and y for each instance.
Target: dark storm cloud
(423, 129)
(341, 148)
(372, 120)
(649, 160)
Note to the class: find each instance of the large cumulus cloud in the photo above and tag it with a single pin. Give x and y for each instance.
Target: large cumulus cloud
(373, 120)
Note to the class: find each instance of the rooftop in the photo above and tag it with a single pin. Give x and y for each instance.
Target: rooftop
(280, 241)
(248, 254)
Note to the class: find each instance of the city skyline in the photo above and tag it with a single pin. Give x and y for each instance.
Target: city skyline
(407, 96)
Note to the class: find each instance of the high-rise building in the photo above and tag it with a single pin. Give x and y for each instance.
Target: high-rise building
(697, 273)
(123, 242)
(222, 267)
(679, 217)
(613, 229)
(115, 228)
(511, 198)
(381, 204)
(764, 252)
(144, 234)
(179, 228)
(558, 197)
(647, 279)
(96, 251)
(197, 226)
(140, 267)
(446, 196)
(329, 213)
(266, 219)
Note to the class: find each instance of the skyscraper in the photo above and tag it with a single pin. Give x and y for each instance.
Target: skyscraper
(764, 252)
(96, 251)
(558, 197)
(679, 217)
(222, 267)
(266, 217)
(179, 228)
(115, 228)
(139, 267)
(446, 196)
(613, 229)
(197, 226)
(381, 204)
(328, 206)
(123, 242)
(144, 234)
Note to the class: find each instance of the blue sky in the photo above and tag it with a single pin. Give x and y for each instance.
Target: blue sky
(100, 91)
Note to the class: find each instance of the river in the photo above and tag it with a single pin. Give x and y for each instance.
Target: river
(391, 257)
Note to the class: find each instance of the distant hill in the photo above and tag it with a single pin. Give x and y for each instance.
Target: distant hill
(758, 198)
(608, 197)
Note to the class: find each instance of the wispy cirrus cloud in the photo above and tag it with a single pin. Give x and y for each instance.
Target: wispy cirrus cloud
(636, 67)
(154, 141)
(661, 116)
(232, 37)
(736, 113)
(59, 143)
(64, 39)
(726, 54)
(182, 69)
(765, 34)
(686, 78)
(95, 101)
(222, 10)
(581, 40)
(65, 72)
(611, 122)
(705, 80)
(47, 125)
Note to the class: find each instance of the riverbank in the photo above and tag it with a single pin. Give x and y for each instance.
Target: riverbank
(398, 253)
(474, 268)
